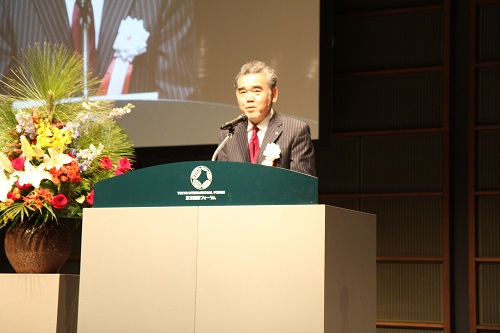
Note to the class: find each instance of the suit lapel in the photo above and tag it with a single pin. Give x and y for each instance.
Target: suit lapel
(274, 130)
(114, 12)
(54, 19)
(241, 137)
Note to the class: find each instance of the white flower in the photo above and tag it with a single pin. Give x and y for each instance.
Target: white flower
(271, 153)
(56, 160)
(5, 185)
(25, 124)
(91, 153)
(89, 106)
(117, 113)
(131, 39)
(86, 156)
(32, 174)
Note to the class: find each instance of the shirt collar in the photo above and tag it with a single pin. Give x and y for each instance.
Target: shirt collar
(263, 124)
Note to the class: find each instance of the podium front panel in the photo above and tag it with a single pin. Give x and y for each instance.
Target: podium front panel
(261, 269)
(138, 270)
(206, 183)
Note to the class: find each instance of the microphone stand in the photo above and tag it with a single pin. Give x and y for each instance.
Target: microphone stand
(85, 21)
(223, 143)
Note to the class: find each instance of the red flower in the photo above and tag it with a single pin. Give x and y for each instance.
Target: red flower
(22, 187)
(73, 172)
(38, 197)
(90, 198)
(18, 163)
(123, 166)
(59, 201)
(105, 163)
(67, 172)
(14, 195)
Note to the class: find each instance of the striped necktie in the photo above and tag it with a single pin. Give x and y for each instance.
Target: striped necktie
(254, 146)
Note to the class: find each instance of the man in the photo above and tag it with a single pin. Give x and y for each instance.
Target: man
(256, 92)
(167, 66)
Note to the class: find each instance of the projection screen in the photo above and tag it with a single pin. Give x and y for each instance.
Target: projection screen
(224, 35)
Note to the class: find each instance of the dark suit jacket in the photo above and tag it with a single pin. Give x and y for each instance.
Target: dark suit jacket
(293, 137)
(167, 66)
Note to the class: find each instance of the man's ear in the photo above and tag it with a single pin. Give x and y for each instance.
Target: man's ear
(274, 94)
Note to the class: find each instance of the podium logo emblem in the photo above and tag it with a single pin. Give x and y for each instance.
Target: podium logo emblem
(201, 177)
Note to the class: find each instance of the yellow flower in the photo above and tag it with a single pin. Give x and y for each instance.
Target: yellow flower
(5, 163)
(52, 136)
(30, 151)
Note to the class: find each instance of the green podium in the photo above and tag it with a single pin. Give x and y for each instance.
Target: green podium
(207, 184)
(215, 247)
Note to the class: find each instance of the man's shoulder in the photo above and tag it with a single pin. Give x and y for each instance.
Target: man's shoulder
(290, 121)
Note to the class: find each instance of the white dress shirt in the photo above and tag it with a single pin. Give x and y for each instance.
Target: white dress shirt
(262, 128)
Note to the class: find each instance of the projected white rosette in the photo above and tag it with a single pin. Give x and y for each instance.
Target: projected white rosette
(130, 42)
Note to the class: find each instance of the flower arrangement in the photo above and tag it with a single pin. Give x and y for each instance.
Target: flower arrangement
(54, 146)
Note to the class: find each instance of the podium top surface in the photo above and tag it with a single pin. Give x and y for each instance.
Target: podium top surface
(207, 183)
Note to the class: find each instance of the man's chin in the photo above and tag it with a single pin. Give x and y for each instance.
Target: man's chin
(253, 115)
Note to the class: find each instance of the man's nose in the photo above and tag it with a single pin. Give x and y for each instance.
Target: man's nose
(250, 96)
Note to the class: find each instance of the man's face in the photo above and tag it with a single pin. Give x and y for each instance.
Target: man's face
(255, 99)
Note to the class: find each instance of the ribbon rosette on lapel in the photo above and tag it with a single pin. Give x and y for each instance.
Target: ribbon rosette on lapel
(129, 43)
(271, 153)
(131, 39)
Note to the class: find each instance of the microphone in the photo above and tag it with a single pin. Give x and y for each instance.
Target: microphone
(230, 124)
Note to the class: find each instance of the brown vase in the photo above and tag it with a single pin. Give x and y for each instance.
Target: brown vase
(41, 250)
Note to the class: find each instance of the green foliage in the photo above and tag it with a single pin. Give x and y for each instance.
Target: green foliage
(50, 74)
